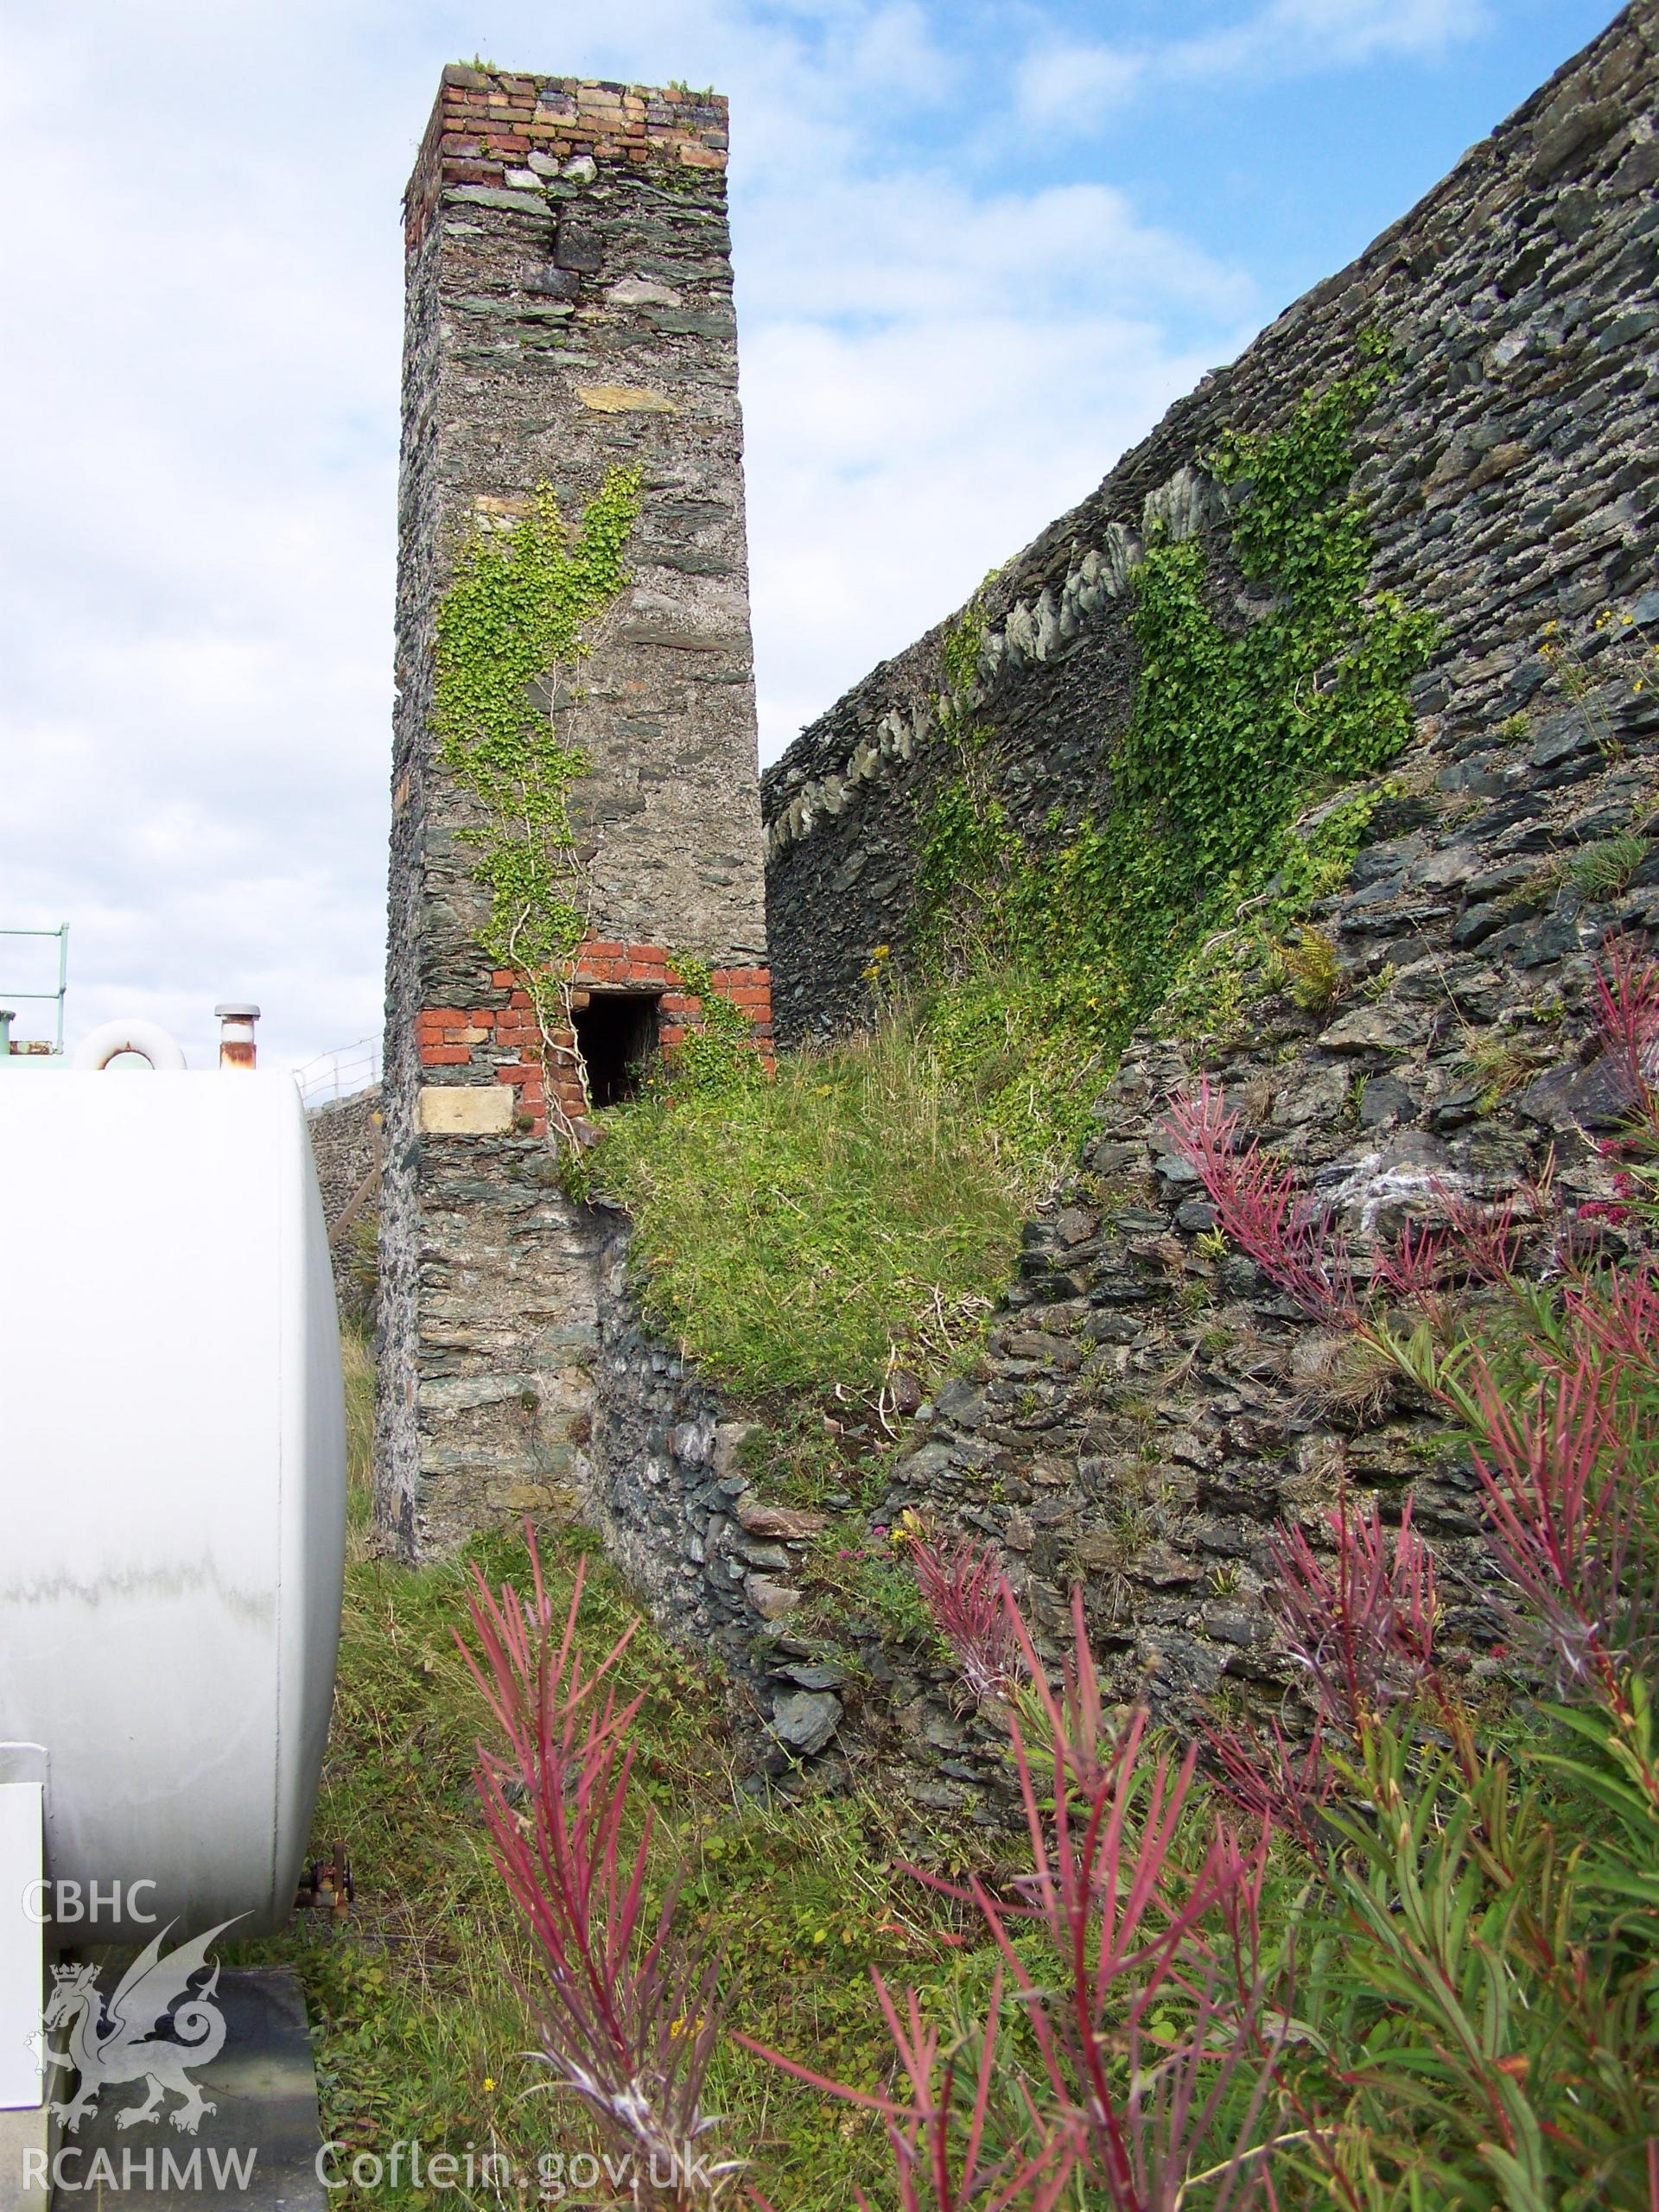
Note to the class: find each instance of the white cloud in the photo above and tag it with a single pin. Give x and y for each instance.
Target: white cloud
(1300, 37)
(911, 245)
(1071, 88)
(890, 472)
(1347, 31)
(933, 383)
(197, 515)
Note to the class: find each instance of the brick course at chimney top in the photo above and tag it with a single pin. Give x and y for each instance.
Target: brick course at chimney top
(486, 123)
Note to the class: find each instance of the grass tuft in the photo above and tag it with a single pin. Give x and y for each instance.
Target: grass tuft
(1603, 870)
(357, 1374)
(864, 1204)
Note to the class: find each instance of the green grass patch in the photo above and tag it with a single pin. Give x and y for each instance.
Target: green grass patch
(1603, 870)
(797, 1234)
(356, 1377)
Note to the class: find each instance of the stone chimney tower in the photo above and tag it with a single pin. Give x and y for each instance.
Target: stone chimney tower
(569, 342)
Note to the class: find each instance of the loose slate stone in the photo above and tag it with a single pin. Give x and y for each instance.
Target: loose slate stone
(512, 203)
(806, 1719)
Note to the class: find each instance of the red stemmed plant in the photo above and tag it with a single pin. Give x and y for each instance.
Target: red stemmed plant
(1415, 1267)
(1569, 1523)
(628, 2010)
(1360, 1628)
(1627, 1015)
(1618, 1320)
(961, 1589)
(1361, 1624)
(1261, 1207)
(1152, 2032)
(1273, 1779)
(1567, 1505)
(945, 2155)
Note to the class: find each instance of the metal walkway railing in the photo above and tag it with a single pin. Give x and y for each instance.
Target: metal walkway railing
(8, 993)
(340, 1073)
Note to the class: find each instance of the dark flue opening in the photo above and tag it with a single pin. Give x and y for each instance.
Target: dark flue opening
(616, 1034)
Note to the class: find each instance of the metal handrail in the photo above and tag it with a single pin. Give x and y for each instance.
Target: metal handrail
(340, 1073)
(61, 933)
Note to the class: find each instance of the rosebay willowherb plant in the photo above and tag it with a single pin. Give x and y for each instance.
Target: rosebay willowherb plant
(1403, 1958)
(1361, 1623)
(1135, 2062)
(1627, 1014)
(962, 1588)
(1358, 1626)
(948, 2154)
(628, 2009)
(1480, 1988)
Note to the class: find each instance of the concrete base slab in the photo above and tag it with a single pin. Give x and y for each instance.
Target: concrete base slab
(256, 2149)
(22, 2188)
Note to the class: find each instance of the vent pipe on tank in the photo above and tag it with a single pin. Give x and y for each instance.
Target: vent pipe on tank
(236, 1045)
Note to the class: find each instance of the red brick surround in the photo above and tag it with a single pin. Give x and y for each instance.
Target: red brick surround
(501, 1043)
(489, 122)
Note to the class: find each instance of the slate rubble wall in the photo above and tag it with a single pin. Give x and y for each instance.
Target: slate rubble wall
(681, 1506)
(670, 1493)
(347, 1147)
(1146, 1414)
(344, 1147)
(1508, 473)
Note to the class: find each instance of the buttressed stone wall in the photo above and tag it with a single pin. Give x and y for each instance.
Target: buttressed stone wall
(1508, 472)
(568, 314)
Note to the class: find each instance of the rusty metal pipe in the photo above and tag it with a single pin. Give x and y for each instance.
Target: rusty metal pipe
(236, 1045)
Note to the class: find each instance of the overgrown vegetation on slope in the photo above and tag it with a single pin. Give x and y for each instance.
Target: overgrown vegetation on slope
(796, 1232)
(813, 1234)
(1406, 1956)
(1237, 727)
(422, 1996)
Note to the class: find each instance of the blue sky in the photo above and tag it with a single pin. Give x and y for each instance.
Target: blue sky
(1293, 162)
(980, 248)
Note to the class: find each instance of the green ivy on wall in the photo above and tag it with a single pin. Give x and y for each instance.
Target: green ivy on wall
(966, 843)
(1237, 727)
(512, 629)
(965, 838)
(864, 1209)
(1231, 730)
(718, 1057)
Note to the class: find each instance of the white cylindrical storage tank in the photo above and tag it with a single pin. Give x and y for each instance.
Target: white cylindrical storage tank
(172, 1484)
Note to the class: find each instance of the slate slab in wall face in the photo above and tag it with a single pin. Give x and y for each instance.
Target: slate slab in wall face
(1509, 472)
(568, 313)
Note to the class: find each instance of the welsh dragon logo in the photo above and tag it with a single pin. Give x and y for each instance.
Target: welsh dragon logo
(145, 2034)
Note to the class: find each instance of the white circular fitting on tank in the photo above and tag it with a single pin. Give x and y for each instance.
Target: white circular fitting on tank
(172, 1484)
(148, 1039)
